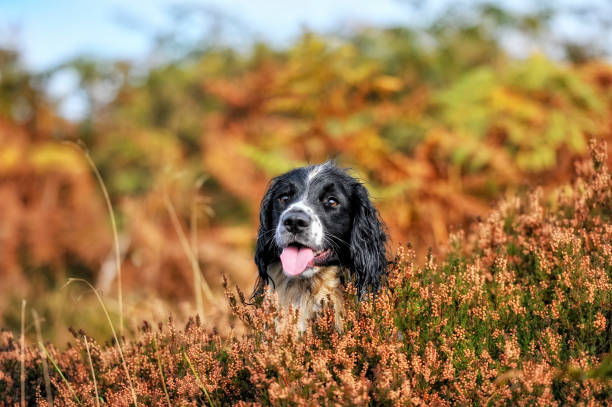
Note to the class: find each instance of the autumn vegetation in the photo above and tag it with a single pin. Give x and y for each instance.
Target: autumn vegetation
(491, 172)
(518, 311)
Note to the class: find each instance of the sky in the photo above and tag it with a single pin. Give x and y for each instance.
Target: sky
(47, 33)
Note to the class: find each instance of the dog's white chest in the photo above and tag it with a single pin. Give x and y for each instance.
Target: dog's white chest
(308, 295)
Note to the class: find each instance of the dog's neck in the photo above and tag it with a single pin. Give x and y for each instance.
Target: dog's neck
(308, 295)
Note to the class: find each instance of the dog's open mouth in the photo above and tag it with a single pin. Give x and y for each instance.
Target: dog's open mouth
(296, 258)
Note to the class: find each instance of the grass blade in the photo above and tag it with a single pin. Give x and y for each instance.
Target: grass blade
(22, 354)
(197, 276)
(43, 358)
(111, 214)
(93, 374)
(40, 344)
(161, 372)
(110, 322)
(195, 267)
(198, 379)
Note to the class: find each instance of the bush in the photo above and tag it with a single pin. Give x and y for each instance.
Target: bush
(517, 312)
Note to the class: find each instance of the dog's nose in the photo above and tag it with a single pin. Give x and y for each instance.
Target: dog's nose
(296, 221)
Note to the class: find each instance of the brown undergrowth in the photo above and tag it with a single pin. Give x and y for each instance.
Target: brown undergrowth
(516, 312)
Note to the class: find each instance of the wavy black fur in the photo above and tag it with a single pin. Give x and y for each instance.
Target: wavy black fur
(368, 243)
(357, 234)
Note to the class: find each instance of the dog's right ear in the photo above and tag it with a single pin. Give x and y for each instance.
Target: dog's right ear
(368, 243)
(266, 246)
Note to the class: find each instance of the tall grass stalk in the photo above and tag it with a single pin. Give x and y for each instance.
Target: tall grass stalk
(43, 358)
(111, 214)
(198, 378)
(195, 267)
(197, 276)
(93, 373)
(22, 355)
(58, 370)
(110, 323)
(161, 372)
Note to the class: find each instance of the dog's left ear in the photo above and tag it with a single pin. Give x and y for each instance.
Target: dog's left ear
(264, 251)
(368, 243)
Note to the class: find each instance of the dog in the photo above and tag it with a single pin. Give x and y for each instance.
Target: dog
(318, 230)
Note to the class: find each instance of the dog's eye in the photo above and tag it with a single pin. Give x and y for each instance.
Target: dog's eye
(332, 202)
(284, 198)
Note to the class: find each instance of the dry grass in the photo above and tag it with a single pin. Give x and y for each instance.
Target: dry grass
(93, 373)
(22, 354)
(117, 341)
(111, 214)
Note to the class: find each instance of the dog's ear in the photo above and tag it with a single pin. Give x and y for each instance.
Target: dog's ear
(368, 243)
(264, 251)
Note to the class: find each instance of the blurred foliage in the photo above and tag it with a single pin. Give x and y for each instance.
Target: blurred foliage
(439, 122)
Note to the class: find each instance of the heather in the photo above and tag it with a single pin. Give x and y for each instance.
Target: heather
(516, 312)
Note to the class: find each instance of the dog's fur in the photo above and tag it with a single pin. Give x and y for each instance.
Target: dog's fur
(339, 223)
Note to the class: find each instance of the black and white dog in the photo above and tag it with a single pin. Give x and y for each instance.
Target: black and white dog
(318, 227)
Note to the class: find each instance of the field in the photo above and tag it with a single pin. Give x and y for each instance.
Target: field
(491, 172)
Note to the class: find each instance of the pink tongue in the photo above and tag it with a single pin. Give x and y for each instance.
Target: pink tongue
(296, 259)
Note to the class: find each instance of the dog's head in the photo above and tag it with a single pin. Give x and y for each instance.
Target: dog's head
(319, 216)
